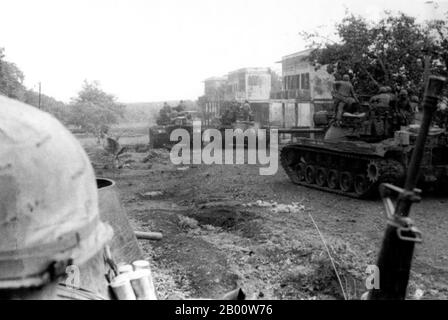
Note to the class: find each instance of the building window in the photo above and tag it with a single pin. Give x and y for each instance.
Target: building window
(293, 82)
(305, 81)
(297, 78)
(254, 81)
(242, 82)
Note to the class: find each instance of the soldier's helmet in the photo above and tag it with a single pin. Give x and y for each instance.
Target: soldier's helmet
(382, 90)
(49, 216)
(403, 93)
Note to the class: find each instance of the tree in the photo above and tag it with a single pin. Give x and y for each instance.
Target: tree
(11, 85)
(11, 78)
(94, 109)
(437, 32)
(389, 52)
(57, 108)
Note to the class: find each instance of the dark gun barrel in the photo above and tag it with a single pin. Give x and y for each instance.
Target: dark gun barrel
(395, 257)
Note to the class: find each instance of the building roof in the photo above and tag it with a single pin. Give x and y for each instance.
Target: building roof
(302, 53)
(249, 70)
(224, 78)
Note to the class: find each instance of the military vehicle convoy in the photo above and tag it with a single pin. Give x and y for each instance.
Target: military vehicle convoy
(375, 151)
(237, 116)
(234, 117)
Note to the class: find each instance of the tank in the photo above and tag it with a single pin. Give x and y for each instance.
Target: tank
(374, 153)
(159, 135)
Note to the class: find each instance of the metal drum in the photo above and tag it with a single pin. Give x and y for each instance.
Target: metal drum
(124, 245)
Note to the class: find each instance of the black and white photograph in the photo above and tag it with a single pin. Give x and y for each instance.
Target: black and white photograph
(205, 151)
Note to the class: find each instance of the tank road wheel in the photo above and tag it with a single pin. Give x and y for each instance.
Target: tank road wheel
(385, 170)
(310, 174)
(346, 181)
(333, 179)
(373, 171)
(321, 177)
(300, 171)
(361, 184)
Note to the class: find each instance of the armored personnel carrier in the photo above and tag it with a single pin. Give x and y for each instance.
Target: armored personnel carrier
(376, 151)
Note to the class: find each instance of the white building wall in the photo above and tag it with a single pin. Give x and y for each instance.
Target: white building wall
(305, 115)
(259, 89)
(275, 114)
(290, 115)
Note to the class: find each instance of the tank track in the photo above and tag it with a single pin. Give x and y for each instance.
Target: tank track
(354, 165)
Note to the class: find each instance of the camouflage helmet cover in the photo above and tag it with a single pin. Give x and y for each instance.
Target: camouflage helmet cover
(49, 215)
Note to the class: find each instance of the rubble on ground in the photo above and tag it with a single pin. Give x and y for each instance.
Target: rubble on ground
(245, 230)
(294, 207)
(157, 155)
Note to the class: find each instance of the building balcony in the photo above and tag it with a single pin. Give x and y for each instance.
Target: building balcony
(297, 94)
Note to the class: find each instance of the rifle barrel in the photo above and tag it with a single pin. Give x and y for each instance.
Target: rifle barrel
(395, 257)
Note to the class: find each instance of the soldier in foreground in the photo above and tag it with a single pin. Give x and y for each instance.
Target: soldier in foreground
(53, 244)
(50, 230)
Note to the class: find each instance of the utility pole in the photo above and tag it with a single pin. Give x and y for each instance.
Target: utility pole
(39, 94)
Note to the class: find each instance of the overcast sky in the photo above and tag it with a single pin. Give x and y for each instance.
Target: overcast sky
(155, 50)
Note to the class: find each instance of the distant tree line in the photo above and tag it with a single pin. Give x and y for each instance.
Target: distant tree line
(11, 78)
(92, 109)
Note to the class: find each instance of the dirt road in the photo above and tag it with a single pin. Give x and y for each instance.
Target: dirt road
(226, 226)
